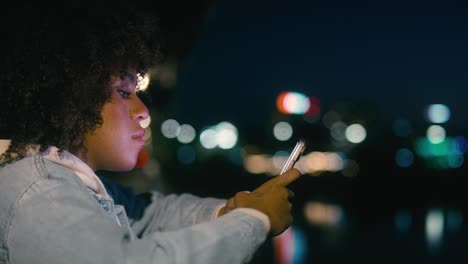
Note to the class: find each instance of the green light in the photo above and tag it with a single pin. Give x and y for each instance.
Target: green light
(426, 148)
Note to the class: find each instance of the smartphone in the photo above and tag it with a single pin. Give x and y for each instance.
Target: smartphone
(295, 155)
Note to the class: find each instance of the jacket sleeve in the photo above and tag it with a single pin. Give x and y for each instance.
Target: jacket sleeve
(56, 222)
(152, 211)
(171, 212)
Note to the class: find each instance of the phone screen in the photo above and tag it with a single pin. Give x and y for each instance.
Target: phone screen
(295, 155)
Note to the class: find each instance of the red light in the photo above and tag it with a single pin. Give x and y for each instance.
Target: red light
(314, 108)
(143, 158)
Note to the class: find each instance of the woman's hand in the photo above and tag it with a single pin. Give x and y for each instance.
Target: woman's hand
(271, 198)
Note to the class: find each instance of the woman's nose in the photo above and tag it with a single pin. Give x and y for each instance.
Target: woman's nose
(139, 111)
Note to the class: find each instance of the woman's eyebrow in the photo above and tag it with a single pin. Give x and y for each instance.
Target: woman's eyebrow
(128, 75)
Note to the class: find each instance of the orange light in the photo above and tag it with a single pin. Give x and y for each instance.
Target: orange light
(280, 102)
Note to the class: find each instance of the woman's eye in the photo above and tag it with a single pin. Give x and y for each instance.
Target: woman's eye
(124, 94)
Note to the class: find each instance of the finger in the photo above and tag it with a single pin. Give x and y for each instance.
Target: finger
(230, 204)
(291, 195)
(287, 178)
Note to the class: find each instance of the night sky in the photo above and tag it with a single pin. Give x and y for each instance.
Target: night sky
(395, 57)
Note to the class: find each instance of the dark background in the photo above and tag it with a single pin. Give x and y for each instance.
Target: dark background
(376, 61)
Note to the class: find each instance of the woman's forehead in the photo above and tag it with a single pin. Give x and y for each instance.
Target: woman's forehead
(129, 76)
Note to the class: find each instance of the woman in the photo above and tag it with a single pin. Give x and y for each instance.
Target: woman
(69, 108)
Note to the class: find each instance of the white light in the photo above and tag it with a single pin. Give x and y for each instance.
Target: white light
(282, 131)
(435, 134)
(170, 128)
(296, 103)
(226, 135)
(187, 134)
(143, 82)
(208, 138)
(438, 113)
(146, 122)
(434, 228)
(355, 133)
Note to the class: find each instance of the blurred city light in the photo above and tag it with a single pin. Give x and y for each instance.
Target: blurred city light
(454, 220)
(147, 137)
(461, 144)
(282, 131)
(443, 155)
(226, 135)
(208, 138)
(186, 134)
(404, 157)
(438, 113)
(279, 159)
(292, 103)
(434, 229)
(170, 128)
(335, 162)
(355, 133)
(313, 163)
(330, 118)
(143, 82)
(186, 154)
(455, 161)
(290, 247)
(318, 213)
(146, 122)
(258, 164)
(314, 106)
(338, 131)
(403, 221)
(435, 134)
(351, 168)
(426, 148)
(401, 128)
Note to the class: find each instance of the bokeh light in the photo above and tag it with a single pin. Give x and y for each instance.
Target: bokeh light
(435, 134)
(338, 131)
(355, 133)
(314, 106)
(226, 135)
(292, 103)
(186, 154)
(403, 221)
(208, 138)
(404, 157)
(146, 122)
(170, 128)
(438, 113)
(283, 131)
(143, 82)
(186, 134)
(330, 118)
(351, 169)
(434, 228)
(454, 220)
(319, 213)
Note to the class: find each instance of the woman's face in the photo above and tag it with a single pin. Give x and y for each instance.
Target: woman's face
(115, 145)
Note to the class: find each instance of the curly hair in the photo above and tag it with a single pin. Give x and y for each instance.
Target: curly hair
(57, 65)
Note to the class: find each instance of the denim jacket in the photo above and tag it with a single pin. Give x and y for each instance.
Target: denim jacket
(49, 216)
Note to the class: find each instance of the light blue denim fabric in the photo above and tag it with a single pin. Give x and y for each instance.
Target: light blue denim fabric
(48, 216)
